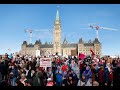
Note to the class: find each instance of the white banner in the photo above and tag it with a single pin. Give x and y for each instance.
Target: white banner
(45, 62)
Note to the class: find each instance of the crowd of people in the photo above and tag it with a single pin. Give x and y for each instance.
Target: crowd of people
(18, 70)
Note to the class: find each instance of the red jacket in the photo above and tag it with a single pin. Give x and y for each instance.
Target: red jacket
(64, 68)
(100, 75)
(111, 75)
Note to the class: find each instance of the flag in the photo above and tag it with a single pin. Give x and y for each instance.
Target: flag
(81, 56)
(92, 53)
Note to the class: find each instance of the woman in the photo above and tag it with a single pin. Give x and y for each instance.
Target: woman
(100, 76)
(23, 78)
(84, 81)
(88, 72)
(70, 80)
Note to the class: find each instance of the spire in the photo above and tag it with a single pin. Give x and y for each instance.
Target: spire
(65, 40)
(80, 40)
(57, 14)
(96, 41)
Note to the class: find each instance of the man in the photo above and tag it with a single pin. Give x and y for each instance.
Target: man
(116, 79)
(37, 77)
(28, 82)
(59, 76)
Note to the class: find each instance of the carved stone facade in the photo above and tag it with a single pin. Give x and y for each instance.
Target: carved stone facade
(61, 48)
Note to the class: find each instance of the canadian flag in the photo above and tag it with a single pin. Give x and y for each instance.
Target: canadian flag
(81, 56)
(92, 53)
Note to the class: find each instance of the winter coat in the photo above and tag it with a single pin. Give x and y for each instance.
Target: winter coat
(107, 76)
(100, 75)
(116, 79)
(37, 79)
(84, 83)
(29, 74)
(64, 68)
(87, 73)
(58, 77)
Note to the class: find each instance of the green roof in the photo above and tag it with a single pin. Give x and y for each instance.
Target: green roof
(57, 15)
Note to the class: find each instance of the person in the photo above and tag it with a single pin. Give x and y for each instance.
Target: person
(45, 77)
(116, 74)
(70, 80)
(28, 82)
(88, 72)
(64, 67)
(29, 73)
(5, 66)
(37, 77)
(81, 66)
(18, 83)
(64, 81)
(13, 75)
(59, 76)
(100, 75)
(50, 73)
(75, 77)
(23, 78)
(0, 68)
(95, 83)
(84, 81)
(4, 83)
(49, 82)
(108, 75)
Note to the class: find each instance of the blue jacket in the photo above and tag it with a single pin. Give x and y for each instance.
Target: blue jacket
(106, 75)
(59, 77)
(15, 72)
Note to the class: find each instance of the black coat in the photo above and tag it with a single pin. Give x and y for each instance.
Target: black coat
(116, 78)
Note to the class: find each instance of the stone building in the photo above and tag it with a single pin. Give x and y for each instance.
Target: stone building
(63, 48)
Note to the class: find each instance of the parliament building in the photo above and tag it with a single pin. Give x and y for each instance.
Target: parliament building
(61, 47)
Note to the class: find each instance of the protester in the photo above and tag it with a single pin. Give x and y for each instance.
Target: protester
(28, 82)
(95, 83)
(18, 70)
(49, 82)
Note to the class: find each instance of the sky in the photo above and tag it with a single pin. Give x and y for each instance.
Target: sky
(15, 18)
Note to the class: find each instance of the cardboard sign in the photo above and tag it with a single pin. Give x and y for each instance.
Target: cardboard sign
(37, 53)
(45, 62)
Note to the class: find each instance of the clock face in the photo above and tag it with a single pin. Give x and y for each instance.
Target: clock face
(57, 22)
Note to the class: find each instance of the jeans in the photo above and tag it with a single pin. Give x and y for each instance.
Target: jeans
(13, 81)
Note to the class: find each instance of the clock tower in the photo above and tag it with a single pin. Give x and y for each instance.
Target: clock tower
(57, 35)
